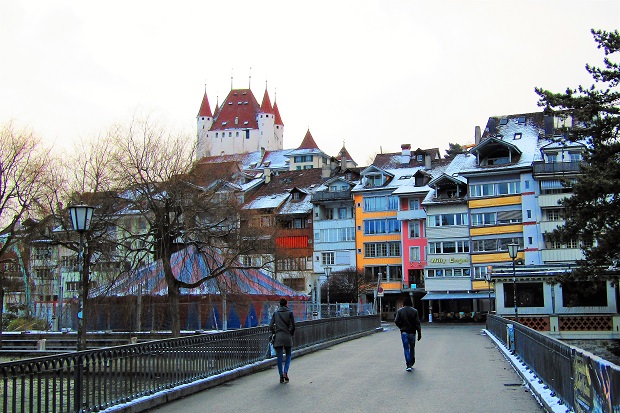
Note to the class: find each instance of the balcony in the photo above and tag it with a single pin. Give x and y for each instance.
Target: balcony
(325, 196)
(411, 214)
(554, 168)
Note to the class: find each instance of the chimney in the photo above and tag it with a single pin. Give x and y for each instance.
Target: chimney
(326, 171)
(262, 152)
(267, 173)
(406, 153)
(427, 160)
(477, 135)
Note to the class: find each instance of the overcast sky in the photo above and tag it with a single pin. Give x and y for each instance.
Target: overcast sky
(372, 74)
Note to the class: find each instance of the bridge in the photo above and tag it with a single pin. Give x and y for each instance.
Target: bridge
(339, 364)
(458, 369)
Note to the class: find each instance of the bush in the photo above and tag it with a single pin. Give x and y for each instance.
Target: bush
(27, 323)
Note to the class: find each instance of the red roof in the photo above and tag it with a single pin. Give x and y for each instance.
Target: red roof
(265, 107)
(238, 111)
(345, 153)
(308, 142)
(278, 120)
(205, 109)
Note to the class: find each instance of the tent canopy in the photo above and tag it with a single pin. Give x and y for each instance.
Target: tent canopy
(189, 265)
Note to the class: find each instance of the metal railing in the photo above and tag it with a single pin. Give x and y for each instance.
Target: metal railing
(583, 381)
(550, 359)
(93, 380)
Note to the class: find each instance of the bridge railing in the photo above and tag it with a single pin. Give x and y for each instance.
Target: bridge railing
(576, 376)
(94, 380)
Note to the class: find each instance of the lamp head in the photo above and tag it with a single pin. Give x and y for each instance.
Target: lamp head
(513, 250)
(81, 216)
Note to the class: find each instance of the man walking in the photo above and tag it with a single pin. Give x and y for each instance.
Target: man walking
(408, 321)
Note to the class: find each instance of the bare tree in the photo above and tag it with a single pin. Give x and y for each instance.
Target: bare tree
(23, 167)
(178, 209)
(346, 286)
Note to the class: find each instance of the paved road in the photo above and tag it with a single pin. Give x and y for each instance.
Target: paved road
(457, 370)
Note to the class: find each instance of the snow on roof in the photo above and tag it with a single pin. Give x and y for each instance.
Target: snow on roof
(265, 202)
(292, 207)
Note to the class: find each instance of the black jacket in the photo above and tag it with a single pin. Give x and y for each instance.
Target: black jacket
(408, 320)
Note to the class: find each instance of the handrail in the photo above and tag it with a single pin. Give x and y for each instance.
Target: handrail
(116, 375)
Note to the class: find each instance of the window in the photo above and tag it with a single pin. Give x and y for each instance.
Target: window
(584, 294)
(247, 261)
(295, 196)
(381, 226)
(414, 229)
(448, 247)
(553, 215)
(381, 249)
(327, 258)
(518, 136)
(529, 294)
(414, 204)
(381, 203)
(448, 272)
(336, 234)
(414, 254)
(373, 180)
(343, 213)
(443, 220)
(501, 188)
(329, 213)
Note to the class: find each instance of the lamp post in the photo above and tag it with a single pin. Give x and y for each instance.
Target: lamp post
(487, 277)
(327, 270)
(80, 218)
(513, 249)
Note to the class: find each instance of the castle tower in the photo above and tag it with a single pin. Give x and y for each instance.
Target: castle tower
(266, 121)
(239, 125)
(204, 120)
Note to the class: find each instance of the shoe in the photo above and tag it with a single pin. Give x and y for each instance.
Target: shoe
(408, 369)
(286, 377)
(281, 379)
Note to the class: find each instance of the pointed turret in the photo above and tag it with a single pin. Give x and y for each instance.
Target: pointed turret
(278, 120)
(265, 106)
(308, 142)
(205, 109)
(345, 159)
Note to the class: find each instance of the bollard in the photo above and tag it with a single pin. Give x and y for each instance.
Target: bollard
(510, 336)
(41, 344)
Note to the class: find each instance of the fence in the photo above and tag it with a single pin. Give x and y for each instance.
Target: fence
(93, 380)
(152, 313)
(583, 381)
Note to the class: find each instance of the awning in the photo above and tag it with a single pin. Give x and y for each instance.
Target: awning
(458, 296)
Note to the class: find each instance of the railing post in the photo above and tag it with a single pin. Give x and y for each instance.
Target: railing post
(77, 384)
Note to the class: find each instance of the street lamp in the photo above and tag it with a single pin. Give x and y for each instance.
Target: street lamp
(513, 249)
(487, 277)
(80, 218)
(327, 271)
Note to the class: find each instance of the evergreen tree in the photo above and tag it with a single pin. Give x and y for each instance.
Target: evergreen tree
(592, 213)
(453, 150)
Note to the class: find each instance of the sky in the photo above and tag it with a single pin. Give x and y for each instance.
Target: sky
(371, 75)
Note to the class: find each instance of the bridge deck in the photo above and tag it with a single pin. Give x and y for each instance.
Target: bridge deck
(457, 370)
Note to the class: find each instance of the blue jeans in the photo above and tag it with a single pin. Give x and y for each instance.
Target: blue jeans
(408, 347)
(287, 362)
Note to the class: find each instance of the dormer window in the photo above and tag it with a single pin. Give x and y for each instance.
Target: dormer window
(552, 157)
(420, 158)
(296, 196)
(521, 120)
(518, 136)
(374, 180)
(503, 121)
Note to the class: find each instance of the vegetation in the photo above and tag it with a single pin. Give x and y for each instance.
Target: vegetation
(593, 211)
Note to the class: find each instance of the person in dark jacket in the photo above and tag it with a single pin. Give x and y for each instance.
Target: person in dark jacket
(283, 326)
(408, 321)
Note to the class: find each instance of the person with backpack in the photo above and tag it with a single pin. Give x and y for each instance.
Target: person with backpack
(408, 321)
(283, 327)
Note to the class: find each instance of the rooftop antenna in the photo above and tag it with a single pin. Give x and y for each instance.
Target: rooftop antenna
(231, 79)
(250, 81)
